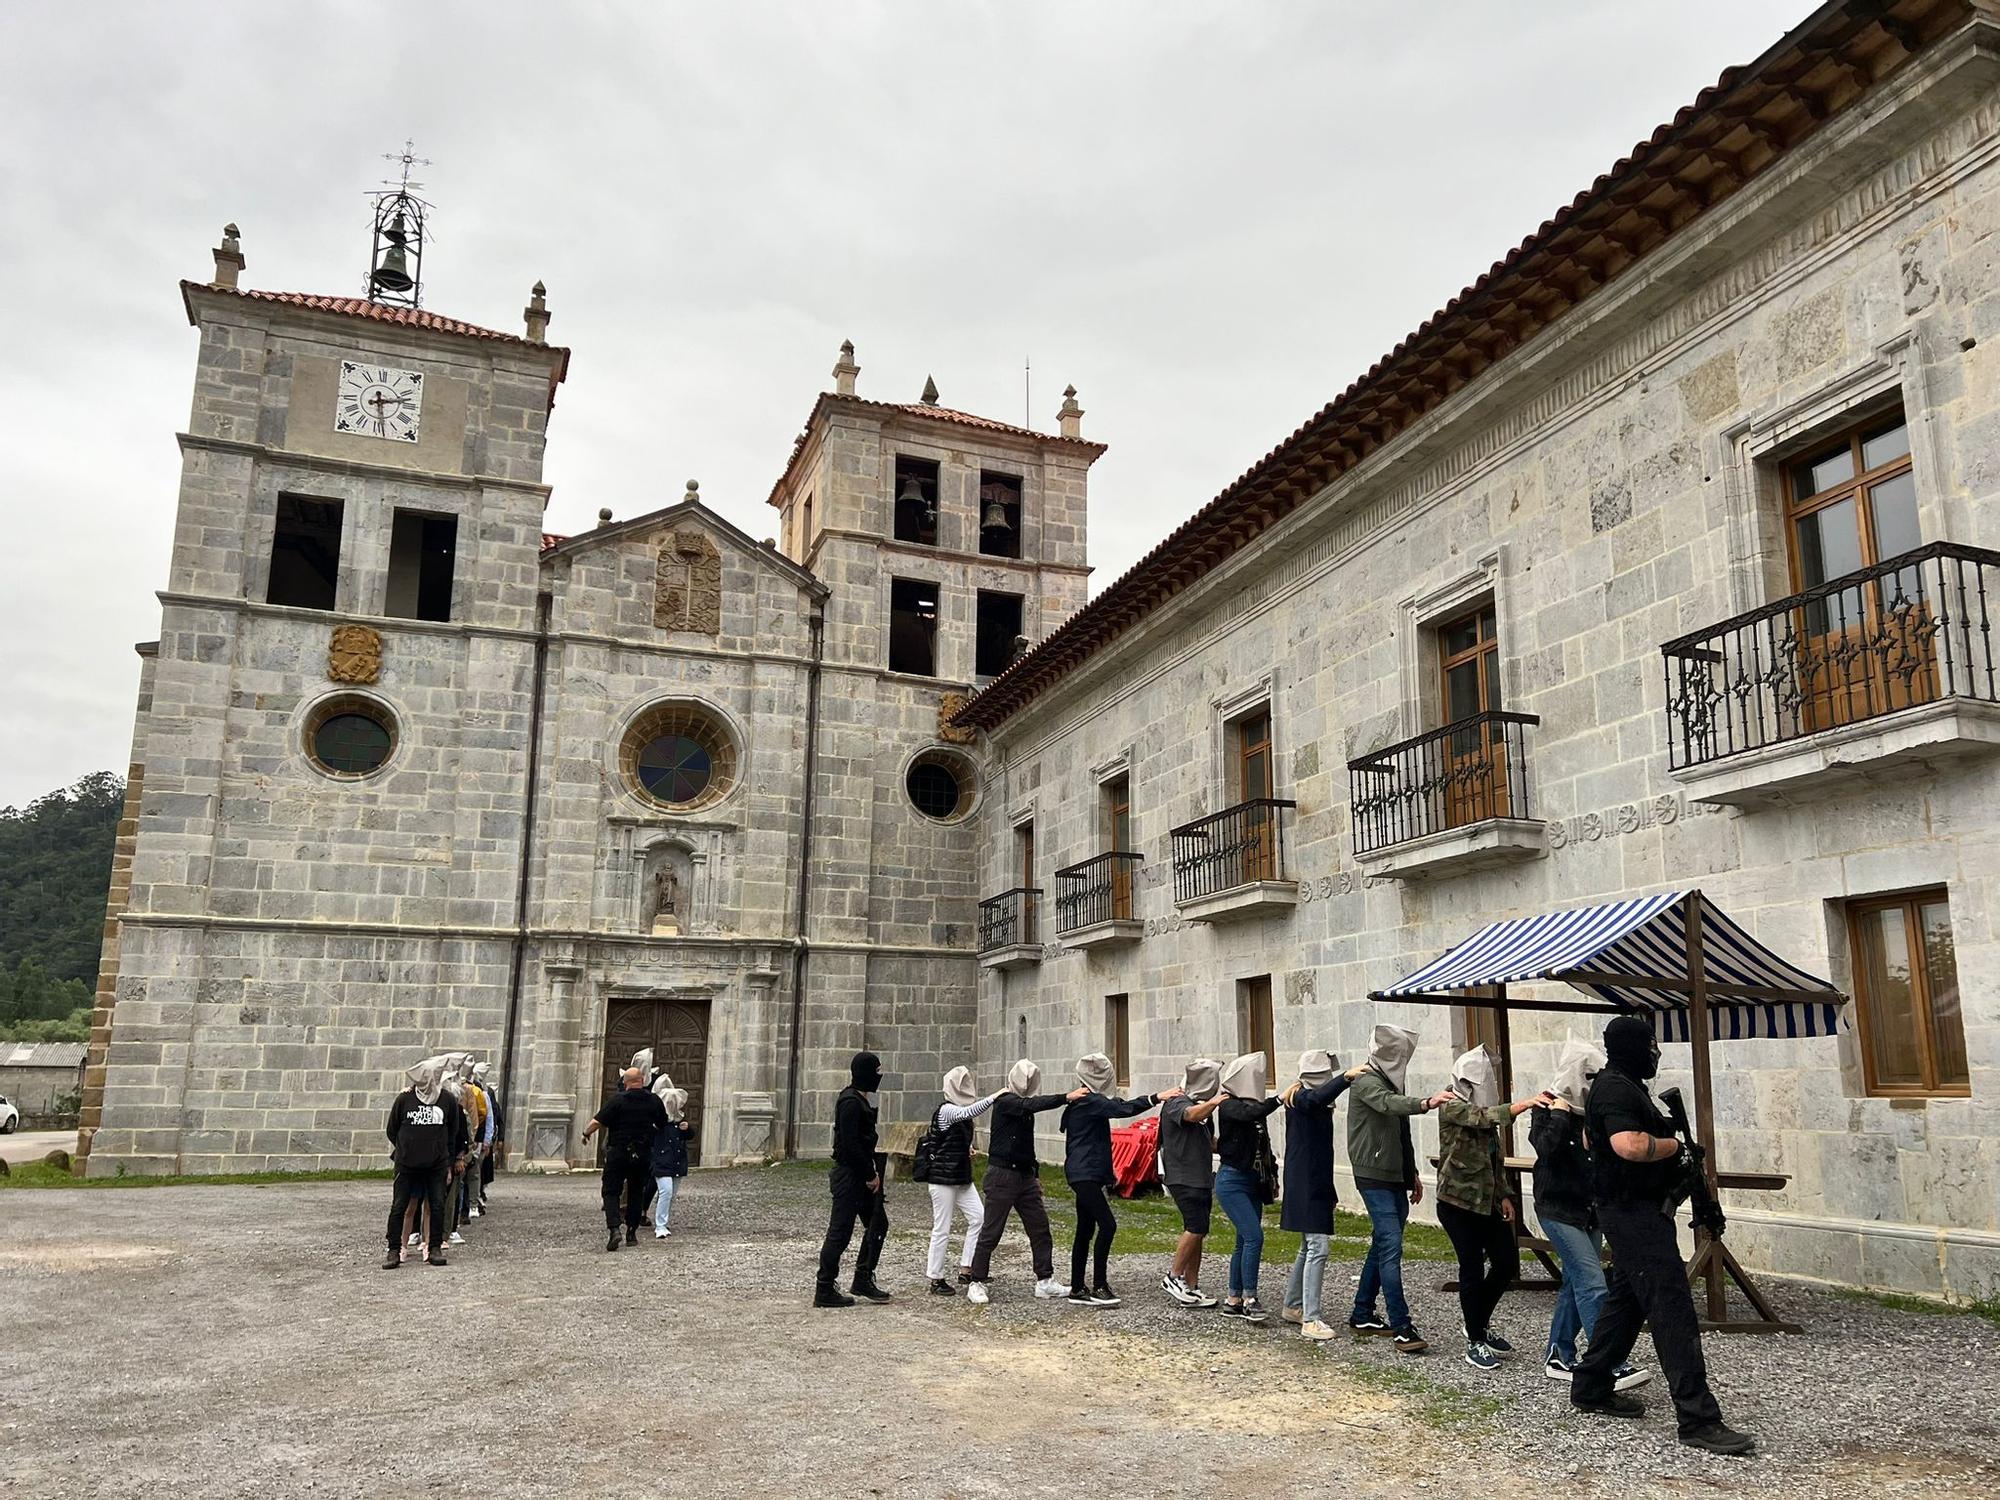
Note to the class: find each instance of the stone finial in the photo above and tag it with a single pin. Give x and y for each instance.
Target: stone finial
(845, 369)
(693, 494)
(604, 516)
(536, 314)
(1070, 417)
(930, 397)
(229, 260)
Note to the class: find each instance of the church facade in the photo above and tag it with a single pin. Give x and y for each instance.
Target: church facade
(1661, 558)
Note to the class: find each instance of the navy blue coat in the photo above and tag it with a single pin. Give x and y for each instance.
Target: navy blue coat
(1087, 1126)
(1309, 1196)
(670, 1149)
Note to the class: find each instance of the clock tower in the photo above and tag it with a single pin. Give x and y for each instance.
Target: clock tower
(330, 758)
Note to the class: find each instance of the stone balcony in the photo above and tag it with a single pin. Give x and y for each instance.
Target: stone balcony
(1448, 800)
(1230, 866)
(1885, 672)
(1008, 927)
(1094, 901)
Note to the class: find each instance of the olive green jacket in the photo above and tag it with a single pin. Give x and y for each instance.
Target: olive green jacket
(1471, 1167)
(1378, 1131)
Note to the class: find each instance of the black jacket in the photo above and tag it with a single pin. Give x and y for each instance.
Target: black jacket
(1562, 1167)
(631, 1118)
(951, 1152)
(1239, 1127)
(1011, 1142)
(670, 1149)
(1087, 1124)
(1309, 1194)
(427, 1135)
(854, 1137)
(1615, 1104)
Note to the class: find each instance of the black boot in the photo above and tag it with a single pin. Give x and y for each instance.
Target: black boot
(393, 1259)
(829, 1295)
(865, 1287)
(631, 1235)
(611, 1239)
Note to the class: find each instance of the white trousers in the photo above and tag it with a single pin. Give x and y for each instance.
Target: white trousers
(943, 1201)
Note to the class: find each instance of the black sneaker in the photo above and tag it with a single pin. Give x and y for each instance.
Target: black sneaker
(1481, 1356)
(1409, 1341)
(611, 1239)
(831, 1296)
(1369, 1326)
(1254, 1311)
(393, 1259)
(1079, 1296)
(1613, 1405)
(1497, 1344)
(869, 1290)
(964, 1277)
(1232, 1309)
(1104, 1297)
(1716, 1438)
(943, 1288)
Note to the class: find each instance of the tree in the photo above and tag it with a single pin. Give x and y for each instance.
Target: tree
(55, 870)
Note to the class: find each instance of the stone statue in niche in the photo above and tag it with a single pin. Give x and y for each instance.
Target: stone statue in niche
(667, 902)
(688, 590)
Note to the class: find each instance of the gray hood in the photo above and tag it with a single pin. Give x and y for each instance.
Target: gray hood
(1203, 1079)
(958, 1087)
(1390, 1055)
(427, 1079)
(1579, 1062)
(1247, 1076)
(1475, 1078)
(1024, 1078)
(1095, 1073)
(1316, 1066)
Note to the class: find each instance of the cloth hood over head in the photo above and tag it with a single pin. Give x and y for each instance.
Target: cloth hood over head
(1578, 1063)
(1316, 1066)
(1203, 1079)
(1095, 1073)
(663, 1084)
(1246, 1077)
(1024, 1078)
(1390, 1055)
(865, 1072)
(674, 1101)
(643, 1061)
(1475, 1078)
(1629, 1047)
(479, 1071)
(958, 1087)
(427, 1079)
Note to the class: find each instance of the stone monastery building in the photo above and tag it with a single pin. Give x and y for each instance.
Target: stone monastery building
(1661, 559)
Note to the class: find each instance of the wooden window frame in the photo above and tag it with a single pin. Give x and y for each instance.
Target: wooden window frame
(1911, 904)
(1858, 488)
(1484, 650)
(1118, 1037)
(1249, 999)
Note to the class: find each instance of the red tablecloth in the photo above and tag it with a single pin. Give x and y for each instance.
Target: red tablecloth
(1135, 1149)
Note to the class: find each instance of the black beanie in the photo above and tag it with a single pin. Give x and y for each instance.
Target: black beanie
(866, 1071)
(1628, 1045)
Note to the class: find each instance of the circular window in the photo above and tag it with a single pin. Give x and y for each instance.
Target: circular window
(350, 736)
(678, 755)
(940, 785)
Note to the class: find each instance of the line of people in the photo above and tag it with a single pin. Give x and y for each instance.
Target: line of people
(445, 1132)
(1605, 1169)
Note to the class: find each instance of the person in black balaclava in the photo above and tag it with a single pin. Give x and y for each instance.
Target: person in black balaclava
(856, 1184)
(1635, 1169)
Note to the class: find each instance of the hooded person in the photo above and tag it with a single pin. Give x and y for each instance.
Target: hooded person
(1475, 1197)
(1187, 1166)
(670, 1152)
(1309, 1198)
(1013, 1182)
(496, 1132)
(427, 1134)
(1246, 1179)
(856, 1186)
(479, 1121)
(1568, 1217)
(632, 1120)
(1383, 1157)
(948, 1172)
(643, 1061)
(1086, 1127)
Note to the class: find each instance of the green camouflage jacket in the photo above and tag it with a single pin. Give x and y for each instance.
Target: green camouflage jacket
(1471, 1168)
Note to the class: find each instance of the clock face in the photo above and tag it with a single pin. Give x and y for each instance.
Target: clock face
(378, 401)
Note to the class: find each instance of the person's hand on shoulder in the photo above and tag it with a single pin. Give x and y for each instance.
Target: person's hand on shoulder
(1173, 1093)
(1079, 1092)
(1356, 1071)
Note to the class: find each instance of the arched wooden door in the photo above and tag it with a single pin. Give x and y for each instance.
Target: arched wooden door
(677, 1031)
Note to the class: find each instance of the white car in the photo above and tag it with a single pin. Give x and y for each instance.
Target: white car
(10, 1117)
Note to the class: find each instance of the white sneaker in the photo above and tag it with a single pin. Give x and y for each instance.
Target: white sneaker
(1050, 1288)
(1317, 1331)
(1200, 1300)
(472, 1213)
(416, 1238)
(660, 1234)
(456, 1238)
(975, 1293)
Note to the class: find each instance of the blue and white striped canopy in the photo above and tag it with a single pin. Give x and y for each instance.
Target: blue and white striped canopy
(1643, 938)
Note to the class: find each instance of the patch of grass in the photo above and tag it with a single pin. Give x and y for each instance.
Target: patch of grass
(40, 1174)
(1437, 1404)
(1929, 1307)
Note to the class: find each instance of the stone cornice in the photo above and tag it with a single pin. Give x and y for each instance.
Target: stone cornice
(266, 454)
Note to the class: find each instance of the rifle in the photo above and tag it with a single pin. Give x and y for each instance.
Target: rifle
(1707, 1211)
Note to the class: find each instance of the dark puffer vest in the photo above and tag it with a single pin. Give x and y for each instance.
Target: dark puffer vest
(951, 1153)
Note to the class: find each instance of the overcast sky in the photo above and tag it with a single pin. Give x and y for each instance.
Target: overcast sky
(1210, 217)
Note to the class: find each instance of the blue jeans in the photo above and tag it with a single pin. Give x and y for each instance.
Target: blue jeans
(1581, 1252)
(1308, 1272)
(1236, 1191)
(1388, 1211)
(663, 1202)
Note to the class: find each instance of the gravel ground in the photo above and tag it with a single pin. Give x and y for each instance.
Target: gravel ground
(232, 1341)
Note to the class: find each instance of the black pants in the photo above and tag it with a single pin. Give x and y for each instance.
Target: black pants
(632, 1176)
(1647, 1283)
(486, 1169)
(1489, 1261)
(1094, 1219)
(421, 1185)
(852, 1204)
(1019, 1192)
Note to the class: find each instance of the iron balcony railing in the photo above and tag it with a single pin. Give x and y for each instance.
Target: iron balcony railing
(1910, 630)
(1237, 846)
(1097, 890)
(1008, 919)
(1467, 772)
